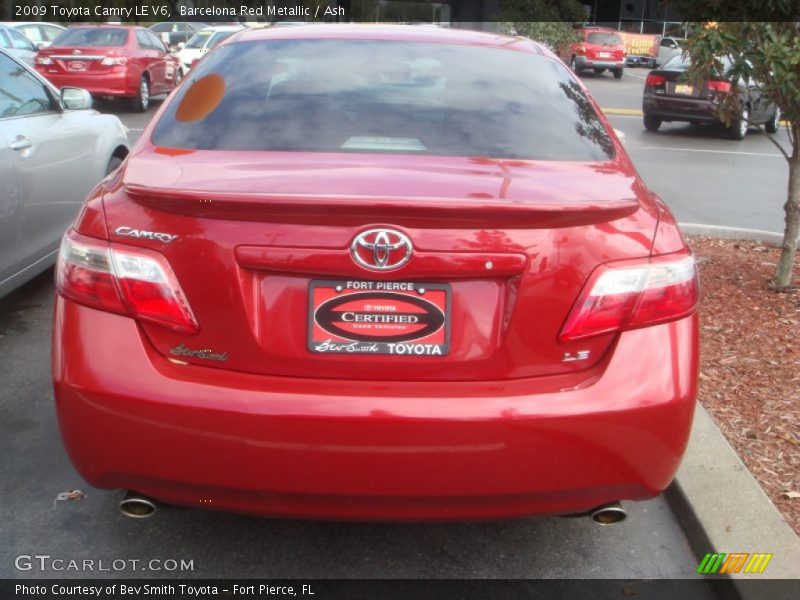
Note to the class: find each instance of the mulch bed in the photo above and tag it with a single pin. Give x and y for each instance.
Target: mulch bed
(750, 362)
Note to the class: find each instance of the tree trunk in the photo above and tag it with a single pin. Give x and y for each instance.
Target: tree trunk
(783, 276)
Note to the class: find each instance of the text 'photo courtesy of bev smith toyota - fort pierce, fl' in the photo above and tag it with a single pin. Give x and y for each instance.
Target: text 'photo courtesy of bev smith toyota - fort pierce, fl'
(294, 293)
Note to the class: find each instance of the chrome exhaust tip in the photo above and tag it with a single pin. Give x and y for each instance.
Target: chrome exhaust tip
(137, 506)
(608, 514)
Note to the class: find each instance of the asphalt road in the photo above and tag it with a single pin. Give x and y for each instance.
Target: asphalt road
(702, 175)
(650, 544)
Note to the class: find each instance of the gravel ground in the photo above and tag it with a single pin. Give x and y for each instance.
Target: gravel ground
(750, 362)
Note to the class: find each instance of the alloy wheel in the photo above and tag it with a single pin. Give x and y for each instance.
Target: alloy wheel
(144, 94)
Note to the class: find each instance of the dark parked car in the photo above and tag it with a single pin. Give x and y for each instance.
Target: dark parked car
(667, 97)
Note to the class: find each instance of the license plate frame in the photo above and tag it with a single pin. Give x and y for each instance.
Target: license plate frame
(366, 317)
(77, 65)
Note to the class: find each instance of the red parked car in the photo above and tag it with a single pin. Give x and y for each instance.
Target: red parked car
(599, 49)
(120, 62)
(385, 272)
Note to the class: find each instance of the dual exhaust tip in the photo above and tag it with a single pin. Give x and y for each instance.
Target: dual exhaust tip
(139, 506)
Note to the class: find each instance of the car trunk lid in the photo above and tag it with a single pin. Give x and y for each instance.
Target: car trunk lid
(501, 248)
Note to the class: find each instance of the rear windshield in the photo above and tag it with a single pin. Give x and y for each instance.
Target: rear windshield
(605, 39)
(383, 96)
(92, 36)
(681, 62)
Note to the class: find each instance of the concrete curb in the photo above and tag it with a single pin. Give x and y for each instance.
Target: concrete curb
(722, 508)
(720, 505)
(732, 233)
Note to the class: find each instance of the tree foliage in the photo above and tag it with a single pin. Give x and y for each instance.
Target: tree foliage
(761, 39)
(547, 21)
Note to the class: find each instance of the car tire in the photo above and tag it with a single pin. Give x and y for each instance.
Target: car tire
(738, 127)
(617, 73)
(113, 164)
(774, 123)
(599, 71)
(178, 78)
(651, 123)
(573, 65)
(142, 100)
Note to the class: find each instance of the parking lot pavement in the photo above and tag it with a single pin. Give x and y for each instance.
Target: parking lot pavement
(35, 469)
(623, 93)
(702, 175)
(706, 178)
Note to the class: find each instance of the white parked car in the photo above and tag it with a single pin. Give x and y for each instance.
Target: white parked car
(17, 44)
(203, 41)
(40, 33)
(667, 48)
(53, 150)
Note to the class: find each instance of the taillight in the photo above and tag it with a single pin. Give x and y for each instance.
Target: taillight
(110, 61)
(630, 294)
(719, 86)
(654, 79)
(130, 281)
(43, 60)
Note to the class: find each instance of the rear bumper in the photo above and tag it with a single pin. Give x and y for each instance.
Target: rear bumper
(113, 83)
(592, 63)
(670, 108)
(368, 449)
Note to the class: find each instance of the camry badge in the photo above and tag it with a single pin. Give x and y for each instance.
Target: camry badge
(164, 238)
(381, 249)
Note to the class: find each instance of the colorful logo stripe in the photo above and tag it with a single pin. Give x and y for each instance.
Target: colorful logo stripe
(734, 562)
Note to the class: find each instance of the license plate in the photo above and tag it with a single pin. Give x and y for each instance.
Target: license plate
(77, 65)
(682, 88)
(379, 317)
(603, 55)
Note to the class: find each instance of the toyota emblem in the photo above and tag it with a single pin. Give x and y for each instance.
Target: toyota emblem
(381, 249)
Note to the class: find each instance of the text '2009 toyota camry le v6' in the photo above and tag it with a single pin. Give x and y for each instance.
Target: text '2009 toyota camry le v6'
(383, 272)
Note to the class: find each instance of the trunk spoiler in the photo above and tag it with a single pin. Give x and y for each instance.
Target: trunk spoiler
(477, 211)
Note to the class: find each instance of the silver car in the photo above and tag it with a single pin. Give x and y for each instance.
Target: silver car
(53, 150)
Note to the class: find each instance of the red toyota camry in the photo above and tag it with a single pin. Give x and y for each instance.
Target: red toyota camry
(115, 61)
(385, 272)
